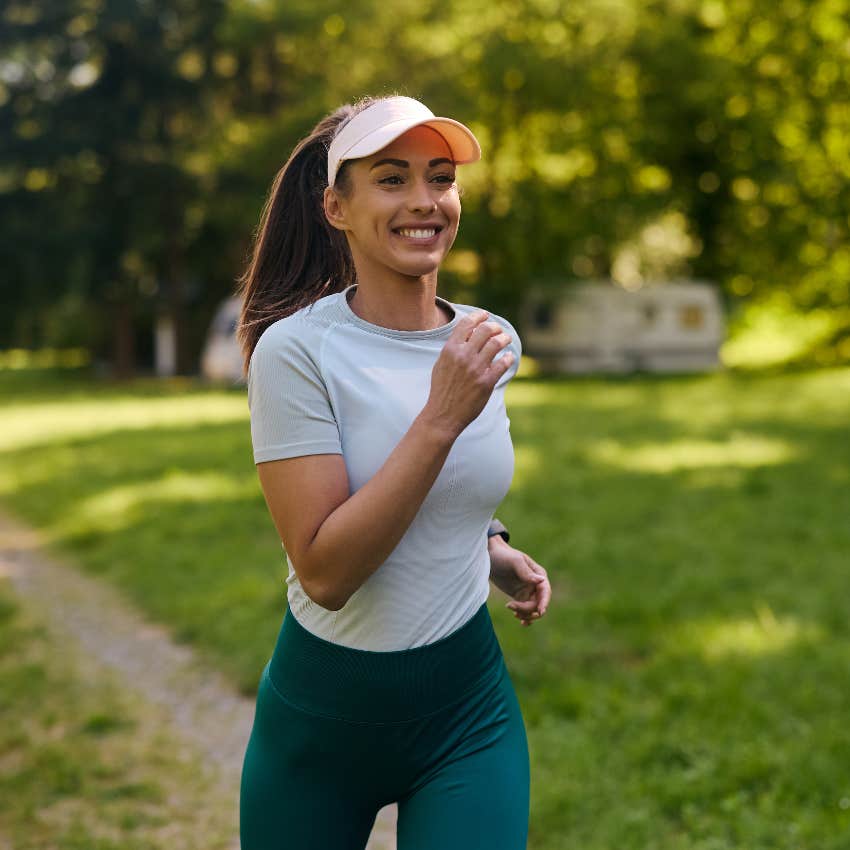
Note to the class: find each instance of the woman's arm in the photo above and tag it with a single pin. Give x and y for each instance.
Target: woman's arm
(336, 540)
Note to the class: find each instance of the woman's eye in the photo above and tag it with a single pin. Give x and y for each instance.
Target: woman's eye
(397, 179)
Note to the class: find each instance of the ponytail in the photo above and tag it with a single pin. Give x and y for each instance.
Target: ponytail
(298, 257)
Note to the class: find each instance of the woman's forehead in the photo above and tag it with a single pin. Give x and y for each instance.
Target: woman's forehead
(420, 142)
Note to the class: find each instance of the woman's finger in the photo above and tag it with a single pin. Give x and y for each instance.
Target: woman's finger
(545, 588)
(523, 607)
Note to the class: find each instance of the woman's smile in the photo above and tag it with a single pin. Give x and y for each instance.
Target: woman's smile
(418, 235)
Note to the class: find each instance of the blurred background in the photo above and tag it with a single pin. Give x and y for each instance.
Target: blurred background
(623, 141)
(662, 210)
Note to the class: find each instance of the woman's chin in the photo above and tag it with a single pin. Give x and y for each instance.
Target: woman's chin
(421, 266)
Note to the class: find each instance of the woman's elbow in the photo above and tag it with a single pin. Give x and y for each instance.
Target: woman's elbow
(326, 597)
(329, 601)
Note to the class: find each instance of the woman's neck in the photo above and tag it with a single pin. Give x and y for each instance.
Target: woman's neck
(409, 305)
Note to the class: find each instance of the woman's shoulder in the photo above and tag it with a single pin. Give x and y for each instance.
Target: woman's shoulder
(294, 339)
(302, 330)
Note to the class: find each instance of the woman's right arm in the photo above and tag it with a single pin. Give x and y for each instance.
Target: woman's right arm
(335, 540)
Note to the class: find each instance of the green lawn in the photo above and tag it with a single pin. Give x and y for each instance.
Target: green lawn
(690, 685)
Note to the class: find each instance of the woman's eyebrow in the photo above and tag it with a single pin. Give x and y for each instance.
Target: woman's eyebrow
(399, 162)
(403, 163)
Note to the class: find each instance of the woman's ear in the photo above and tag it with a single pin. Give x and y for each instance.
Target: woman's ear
(334, 212)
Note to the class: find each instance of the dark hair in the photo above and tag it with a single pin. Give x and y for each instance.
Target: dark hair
(297, 255)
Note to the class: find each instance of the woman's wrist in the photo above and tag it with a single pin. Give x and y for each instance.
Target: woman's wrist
(497, 530)
(438, 429)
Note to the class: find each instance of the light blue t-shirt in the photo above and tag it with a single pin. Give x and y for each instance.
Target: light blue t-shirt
(324, 380)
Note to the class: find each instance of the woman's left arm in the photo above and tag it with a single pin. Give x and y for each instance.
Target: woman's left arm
(520, 577)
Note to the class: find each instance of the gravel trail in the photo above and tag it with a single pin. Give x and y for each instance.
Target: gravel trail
(204, 709)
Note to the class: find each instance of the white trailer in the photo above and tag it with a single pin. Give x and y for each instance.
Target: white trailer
(599, 326)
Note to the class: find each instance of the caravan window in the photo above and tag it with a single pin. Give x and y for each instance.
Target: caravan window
(691, 316)
(542, 315)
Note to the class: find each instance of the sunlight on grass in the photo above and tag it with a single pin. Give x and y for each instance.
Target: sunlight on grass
(528, 463)
(597, 391)
(740, 450)
(117, 508)
(715, 401)
(653, 641)
(528, 395)
(29, 425)
(762, 634)
(600, 392)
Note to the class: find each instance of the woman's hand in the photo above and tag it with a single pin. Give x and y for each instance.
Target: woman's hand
(521, 578)
(465, 374)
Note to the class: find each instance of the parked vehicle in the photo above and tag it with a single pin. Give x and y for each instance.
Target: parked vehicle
(675, 326)
(221, 358)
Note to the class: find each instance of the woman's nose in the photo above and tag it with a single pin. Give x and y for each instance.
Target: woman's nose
(420, 198)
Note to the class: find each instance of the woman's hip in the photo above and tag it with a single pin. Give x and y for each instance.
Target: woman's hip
(365, 686)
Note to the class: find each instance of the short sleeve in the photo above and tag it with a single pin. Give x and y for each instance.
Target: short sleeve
(514, 346)
(291, 411)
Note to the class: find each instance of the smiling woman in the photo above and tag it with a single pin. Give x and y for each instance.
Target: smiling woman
(383, 448)
(400, 211)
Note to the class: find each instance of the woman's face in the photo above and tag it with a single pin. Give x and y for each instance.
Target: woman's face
(404, 208)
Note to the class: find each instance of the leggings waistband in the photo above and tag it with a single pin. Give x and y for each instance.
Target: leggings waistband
(362, 685)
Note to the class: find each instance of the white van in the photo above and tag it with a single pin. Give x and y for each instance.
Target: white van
(221, 358)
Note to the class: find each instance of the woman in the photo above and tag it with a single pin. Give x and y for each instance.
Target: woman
(382, 447)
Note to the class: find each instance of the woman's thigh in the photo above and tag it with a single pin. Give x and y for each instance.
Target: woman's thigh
(475, 793)
(308, 782)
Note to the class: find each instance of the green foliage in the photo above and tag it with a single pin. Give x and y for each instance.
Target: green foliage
(148, 135)
(774, 332)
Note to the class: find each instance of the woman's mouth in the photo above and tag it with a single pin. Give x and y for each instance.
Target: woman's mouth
(419, 235)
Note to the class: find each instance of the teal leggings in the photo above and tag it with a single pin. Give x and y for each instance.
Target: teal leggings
(341, 732)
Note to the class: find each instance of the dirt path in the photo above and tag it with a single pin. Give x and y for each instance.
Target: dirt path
(204, 710)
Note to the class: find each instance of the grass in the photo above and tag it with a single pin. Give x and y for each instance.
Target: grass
(688, 687)
(84, 765)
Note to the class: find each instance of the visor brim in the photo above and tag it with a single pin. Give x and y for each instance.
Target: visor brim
(461, 140)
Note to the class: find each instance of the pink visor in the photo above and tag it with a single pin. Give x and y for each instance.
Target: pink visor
(382, 122)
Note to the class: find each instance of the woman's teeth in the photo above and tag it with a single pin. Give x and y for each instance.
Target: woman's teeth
(417, 234)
